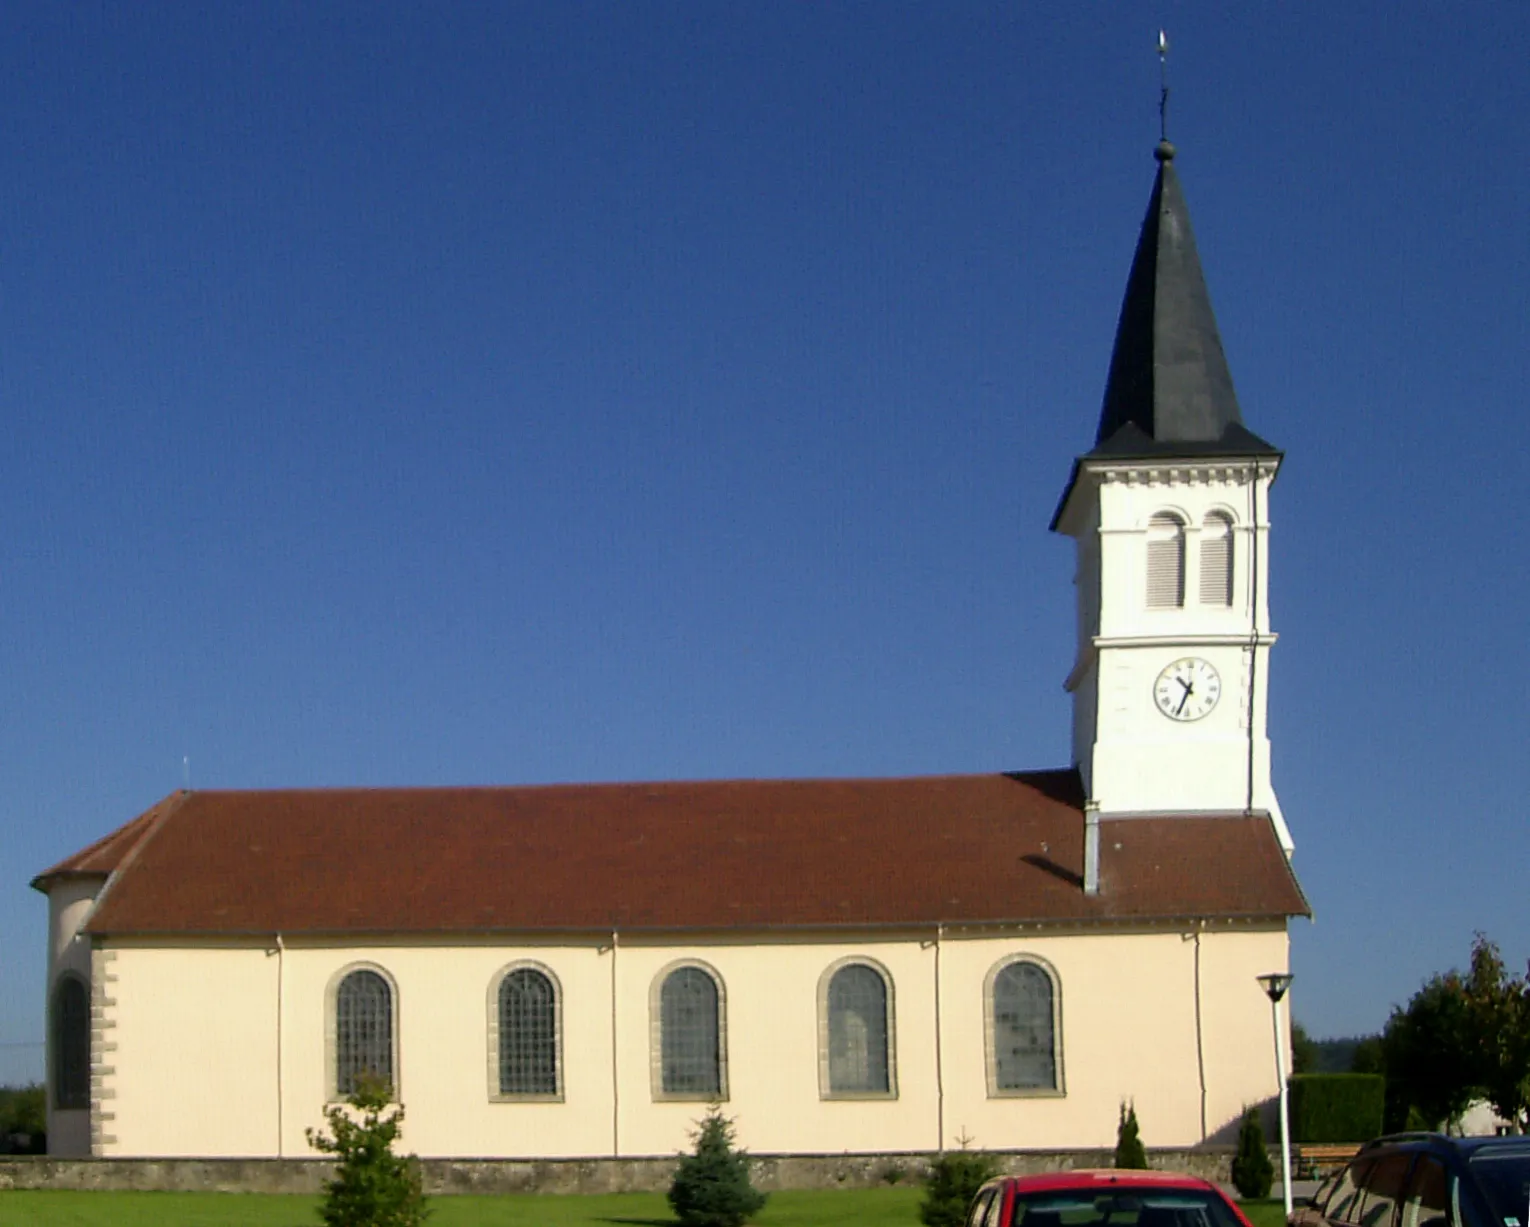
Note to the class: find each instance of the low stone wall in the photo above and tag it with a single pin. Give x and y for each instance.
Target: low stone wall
(547, 1175)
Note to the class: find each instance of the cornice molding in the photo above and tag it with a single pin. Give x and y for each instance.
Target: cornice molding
(1180, 472)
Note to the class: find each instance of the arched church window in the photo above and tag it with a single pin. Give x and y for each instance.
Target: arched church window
(71, 1044)
(363, 1031)
(1165, 561)
(855, 1031)
(527, 1033)
(1023, 1013)
(691, 1058)
(1216, 560)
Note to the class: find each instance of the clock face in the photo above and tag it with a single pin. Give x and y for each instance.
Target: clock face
(1187, 689)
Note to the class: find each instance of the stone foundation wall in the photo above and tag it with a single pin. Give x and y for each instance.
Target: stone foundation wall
(446, 1176)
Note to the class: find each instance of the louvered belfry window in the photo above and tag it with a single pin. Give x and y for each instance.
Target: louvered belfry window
(363, 1030)
(858, 1031)
(689, 1033)
(1025, 1054)
(71, 1044)
(528, 1034)
(1216, 560)
(1165, 562)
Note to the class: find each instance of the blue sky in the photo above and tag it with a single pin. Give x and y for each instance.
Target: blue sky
(509, 393)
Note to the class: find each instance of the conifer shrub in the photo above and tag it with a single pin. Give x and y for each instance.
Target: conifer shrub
(1252, 1171)
(373, 1187)
(1129, 1150)
(954, 1179)
(711, 1187)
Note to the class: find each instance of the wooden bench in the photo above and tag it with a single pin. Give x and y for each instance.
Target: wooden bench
(1314, 1160)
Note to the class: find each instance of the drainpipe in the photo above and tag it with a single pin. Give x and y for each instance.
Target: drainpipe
(940, 1080)
(616, 1082)
(1092, 848)
(280, 953)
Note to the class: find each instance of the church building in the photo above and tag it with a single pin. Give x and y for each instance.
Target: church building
(868, 966)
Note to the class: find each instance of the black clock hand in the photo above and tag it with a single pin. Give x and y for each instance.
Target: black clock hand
(1189, 690)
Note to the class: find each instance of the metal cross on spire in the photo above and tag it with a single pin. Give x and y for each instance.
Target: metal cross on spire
(1163, 86)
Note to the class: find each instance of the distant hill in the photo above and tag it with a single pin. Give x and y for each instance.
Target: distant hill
(1335, 1056)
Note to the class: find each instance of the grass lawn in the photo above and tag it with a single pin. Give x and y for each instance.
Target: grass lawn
(882, 1207)
(1268, 1212)
(885, 1207)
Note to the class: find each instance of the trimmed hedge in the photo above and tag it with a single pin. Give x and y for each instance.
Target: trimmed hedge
(1336, 1107)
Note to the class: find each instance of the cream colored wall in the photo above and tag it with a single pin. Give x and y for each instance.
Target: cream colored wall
(772, 1035)
(197, 1051)
(1129, 1032)
(195, 1060)
(1240, 1028)
(443, 1070)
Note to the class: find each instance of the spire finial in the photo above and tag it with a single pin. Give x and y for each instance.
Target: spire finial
(1165, 151)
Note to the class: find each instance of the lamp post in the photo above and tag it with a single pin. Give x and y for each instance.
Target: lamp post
(1275, 984)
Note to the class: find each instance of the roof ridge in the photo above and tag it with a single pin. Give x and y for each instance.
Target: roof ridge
(571, 785)
(129, 832)
(154, 818)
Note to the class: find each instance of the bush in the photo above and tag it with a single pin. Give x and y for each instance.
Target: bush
(23, 1119)
(711, 1186)
(1336, 1107)
(1129, 1151)
(955, 1177)
(1252, 1171)
(373, 1187)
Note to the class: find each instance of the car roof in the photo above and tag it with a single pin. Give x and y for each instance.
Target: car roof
(1101, 1178)
(1467, 1147)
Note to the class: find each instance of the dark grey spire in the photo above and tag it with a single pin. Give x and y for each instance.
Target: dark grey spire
(1169, 391)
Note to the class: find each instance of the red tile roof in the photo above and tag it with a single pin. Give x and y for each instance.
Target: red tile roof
(109, 852)
(709, 855)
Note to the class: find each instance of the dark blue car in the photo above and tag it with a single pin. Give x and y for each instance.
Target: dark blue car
(1427, 1180)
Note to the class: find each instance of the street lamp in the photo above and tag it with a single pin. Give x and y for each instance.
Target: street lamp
(1275, 984)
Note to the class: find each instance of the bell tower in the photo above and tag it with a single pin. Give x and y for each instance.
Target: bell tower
(1170, 514)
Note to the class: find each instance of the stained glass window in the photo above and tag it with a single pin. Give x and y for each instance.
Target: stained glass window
(1025, 1056)
(528, 1034)
(688, 1027)
(363, 1030)
(858, 1030)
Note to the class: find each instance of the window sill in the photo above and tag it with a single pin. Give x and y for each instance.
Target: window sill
(690, 1096)
(856, 1096)
(1041, 1092)
(555, 1097)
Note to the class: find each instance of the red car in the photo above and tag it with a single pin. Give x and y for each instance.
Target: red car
(1103, 1199)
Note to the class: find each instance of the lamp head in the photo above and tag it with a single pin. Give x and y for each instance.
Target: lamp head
(1275, 984)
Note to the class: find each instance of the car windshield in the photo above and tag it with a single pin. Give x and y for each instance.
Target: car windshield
(1125, 1207)
(1505, 1179)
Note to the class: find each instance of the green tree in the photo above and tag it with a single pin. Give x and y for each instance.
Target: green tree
(1427, 1050)
(1304, 1052)
(1498, 1015)
(373, 1187)
(1252, 1171)
(24, 1110)
(1368, 1057)
(955, 1177)
(711, 1187)
(1129, 1150)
